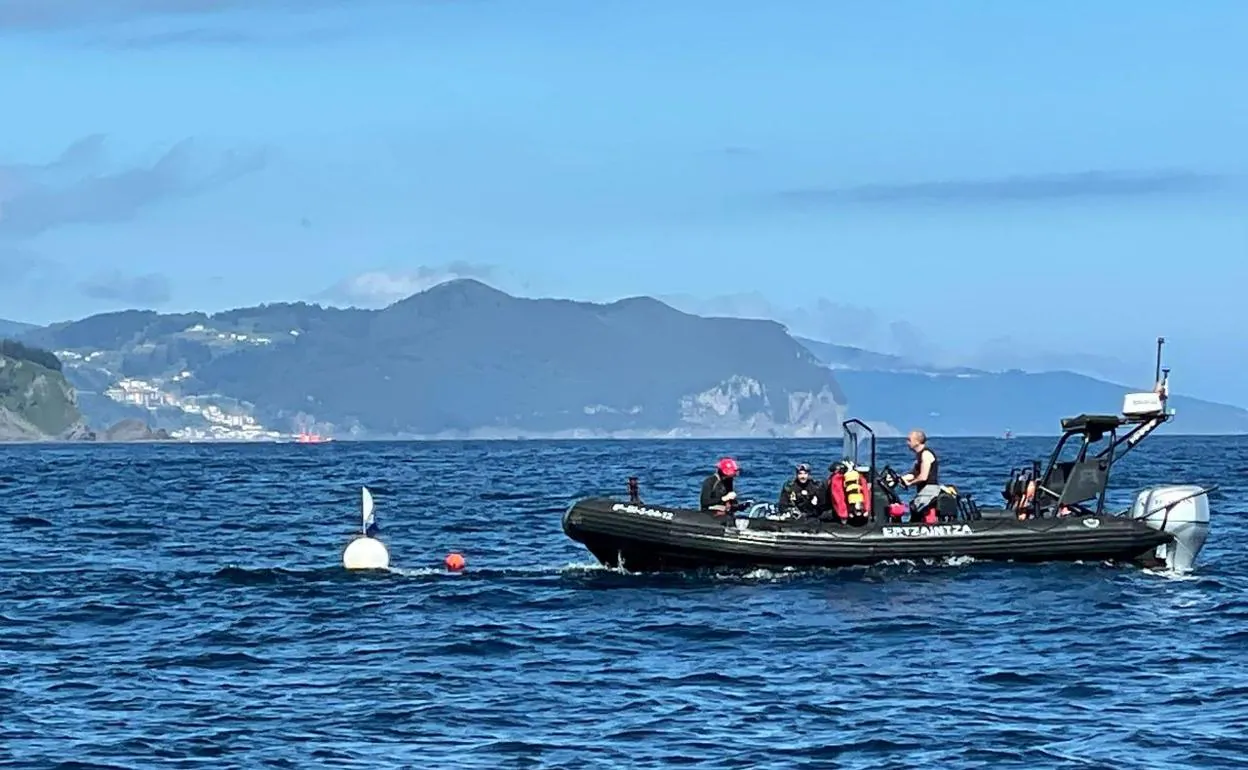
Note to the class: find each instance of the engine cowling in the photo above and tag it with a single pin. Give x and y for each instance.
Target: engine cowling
(1182, 510)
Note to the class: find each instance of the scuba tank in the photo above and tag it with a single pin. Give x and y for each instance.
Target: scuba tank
(854, 497)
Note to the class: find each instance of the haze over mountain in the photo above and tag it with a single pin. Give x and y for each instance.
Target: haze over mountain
(465, 359)
(13, 328)
(963, 400)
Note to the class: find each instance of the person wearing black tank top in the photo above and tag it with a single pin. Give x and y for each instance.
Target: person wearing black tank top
(926, 473)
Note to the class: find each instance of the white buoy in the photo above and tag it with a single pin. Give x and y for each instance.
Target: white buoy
(366, 552)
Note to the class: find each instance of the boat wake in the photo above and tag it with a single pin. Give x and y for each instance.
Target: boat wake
(592, 574)
(1170, 574)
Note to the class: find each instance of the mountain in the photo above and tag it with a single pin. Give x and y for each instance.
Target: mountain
(463, 359)
(13, 328)
(36, 401)
(848, 357)
(459, 359)
(963, 401)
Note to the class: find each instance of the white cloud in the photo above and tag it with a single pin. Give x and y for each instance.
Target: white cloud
(379, 288)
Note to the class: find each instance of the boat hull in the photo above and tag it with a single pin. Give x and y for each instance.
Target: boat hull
(652, 538)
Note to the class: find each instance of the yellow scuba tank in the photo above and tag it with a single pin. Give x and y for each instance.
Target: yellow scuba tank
(853, 491)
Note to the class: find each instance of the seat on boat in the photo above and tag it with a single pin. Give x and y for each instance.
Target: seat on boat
(948, 505)
(1072, 482)
(1020, 487)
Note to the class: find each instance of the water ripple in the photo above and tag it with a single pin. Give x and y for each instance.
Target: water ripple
(183, 606)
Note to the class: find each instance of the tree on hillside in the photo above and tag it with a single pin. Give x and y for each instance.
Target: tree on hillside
(37, 356)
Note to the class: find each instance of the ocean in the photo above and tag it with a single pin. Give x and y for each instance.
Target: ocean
(184, 605)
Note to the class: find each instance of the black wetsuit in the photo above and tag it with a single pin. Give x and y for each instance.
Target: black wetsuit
(714, 487)
(806, 496)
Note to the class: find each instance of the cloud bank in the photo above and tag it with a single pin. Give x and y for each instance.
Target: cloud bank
(68, 14)
(74, 189)
(1028, 188)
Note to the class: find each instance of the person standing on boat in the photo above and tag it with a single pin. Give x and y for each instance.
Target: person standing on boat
(925, 475)
(717, 493)
(801, 493)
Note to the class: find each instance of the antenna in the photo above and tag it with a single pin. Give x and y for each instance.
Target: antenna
(1157, 372)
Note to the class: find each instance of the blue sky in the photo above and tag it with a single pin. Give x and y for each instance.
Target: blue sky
(978, 182)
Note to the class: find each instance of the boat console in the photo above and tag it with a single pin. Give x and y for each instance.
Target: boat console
(886, 506)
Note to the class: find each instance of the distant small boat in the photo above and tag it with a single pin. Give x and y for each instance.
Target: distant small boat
(1008, 434)
(307, 436)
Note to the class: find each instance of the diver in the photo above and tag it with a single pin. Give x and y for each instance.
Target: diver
(802, 493)
(717, 492)
(925, 475)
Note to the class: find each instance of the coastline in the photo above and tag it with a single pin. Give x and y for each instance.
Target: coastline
(553, 437)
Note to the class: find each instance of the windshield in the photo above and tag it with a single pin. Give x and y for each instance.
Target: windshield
(849, 443)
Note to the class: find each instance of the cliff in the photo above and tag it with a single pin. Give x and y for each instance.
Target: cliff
(132, 429)
(36, 401)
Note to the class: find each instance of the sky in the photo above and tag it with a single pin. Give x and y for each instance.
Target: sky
(985, 183)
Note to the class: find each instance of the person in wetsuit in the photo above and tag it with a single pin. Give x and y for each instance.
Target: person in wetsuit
(717, 493)
(925, 476)
(802, 493)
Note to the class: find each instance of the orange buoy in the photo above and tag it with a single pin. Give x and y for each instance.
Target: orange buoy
(454, 561)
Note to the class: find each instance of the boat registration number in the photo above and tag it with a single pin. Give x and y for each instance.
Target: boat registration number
(641, 511)
(928, 530)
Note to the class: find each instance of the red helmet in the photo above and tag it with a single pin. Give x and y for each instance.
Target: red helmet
(728, 466)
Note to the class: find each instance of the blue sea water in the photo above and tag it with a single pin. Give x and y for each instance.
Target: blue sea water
(184, 606)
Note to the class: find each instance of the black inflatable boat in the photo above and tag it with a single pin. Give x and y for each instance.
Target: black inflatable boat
(1052, 514)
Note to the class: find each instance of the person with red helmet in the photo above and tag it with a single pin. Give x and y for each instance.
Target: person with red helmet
(717, 492)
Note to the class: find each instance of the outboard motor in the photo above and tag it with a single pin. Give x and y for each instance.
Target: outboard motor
(1181, 510)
